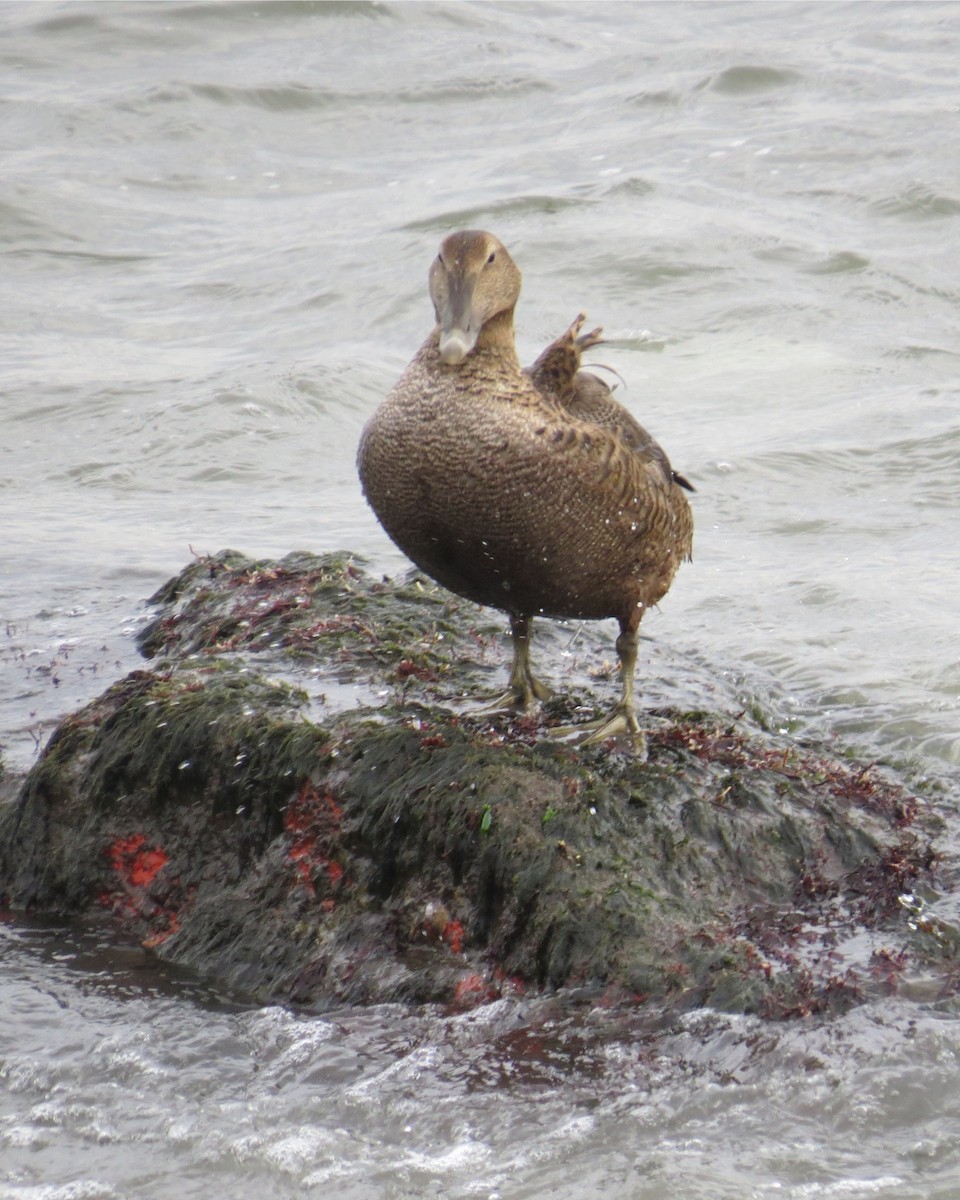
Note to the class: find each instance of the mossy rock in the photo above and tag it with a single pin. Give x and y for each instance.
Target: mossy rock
(411, 850)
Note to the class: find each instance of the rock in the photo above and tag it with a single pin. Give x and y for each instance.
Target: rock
(406, 849)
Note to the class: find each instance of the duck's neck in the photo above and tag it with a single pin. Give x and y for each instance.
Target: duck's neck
(497, 337)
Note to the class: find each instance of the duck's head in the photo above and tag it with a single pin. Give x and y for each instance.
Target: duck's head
(472, 280)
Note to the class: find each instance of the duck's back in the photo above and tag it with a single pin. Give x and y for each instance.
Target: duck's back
(504, 495)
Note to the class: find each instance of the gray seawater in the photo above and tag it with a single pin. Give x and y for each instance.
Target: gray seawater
(215, 226)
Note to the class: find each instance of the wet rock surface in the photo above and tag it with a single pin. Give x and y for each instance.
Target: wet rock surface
(407, 848)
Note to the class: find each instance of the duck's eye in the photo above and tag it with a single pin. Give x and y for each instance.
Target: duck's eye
(493, 255)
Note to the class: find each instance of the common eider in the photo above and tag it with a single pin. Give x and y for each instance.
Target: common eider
(532, 491)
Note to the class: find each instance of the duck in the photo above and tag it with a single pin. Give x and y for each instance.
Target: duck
(532, 491)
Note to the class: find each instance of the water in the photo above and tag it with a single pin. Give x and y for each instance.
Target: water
(216, 222)
(120, 1083)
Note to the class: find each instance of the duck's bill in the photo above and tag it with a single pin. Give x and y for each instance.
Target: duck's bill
(456, 344)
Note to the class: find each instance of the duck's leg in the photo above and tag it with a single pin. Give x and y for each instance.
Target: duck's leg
(525, 686)
(623, 719)
(524, 690)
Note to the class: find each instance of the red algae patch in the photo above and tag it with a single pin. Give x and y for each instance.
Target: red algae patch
(312, 822)
(136, 863)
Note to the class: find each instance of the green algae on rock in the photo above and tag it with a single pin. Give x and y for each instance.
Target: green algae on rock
(406, 849)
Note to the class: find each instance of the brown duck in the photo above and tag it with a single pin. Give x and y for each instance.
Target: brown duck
(530, 491)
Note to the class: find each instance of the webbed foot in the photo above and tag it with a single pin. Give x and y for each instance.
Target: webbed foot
(523, 695)
(621, 723)
(555, 371)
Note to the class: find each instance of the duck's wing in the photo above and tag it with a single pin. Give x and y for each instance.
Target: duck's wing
(557, 375)
(593, 401)
(619, 498)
